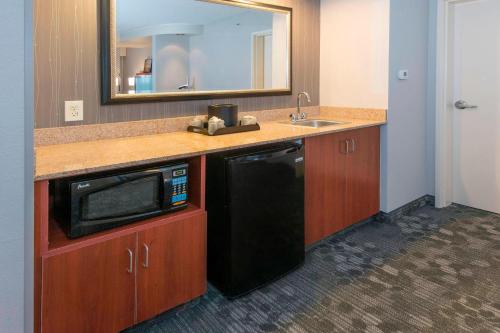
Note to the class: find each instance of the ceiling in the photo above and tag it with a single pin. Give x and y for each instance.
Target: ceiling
(132, 14)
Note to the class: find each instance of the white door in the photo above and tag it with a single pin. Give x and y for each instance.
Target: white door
(475, 59)
(268, 61)
(262, 60)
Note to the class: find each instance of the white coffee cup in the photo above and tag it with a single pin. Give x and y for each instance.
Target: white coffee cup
(197, 123)
(248, 120)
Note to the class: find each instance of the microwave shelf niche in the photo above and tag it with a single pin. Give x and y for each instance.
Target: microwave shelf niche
(95, 203)
(183, 196)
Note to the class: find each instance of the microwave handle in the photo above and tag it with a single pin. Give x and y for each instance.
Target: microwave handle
(265, 155)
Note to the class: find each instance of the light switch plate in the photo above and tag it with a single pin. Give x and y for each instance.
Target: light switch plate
(73, 110)
(403, 74)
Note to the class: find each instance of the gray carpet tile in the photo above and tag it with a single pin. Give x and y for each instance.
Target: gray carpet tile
(429, 271)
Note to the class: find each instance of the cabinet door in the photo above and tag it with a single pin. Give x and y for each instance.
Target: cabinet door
(91, 289)
(171, 265)
(325, 185)
(363, 176)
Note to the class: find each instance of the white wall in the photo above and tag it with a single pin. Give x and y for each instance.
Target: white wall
(170, 62)
(405, 150)
(29, 124)
(364, 43)
(16, 185)
(221, 58)
(431, 98)
(280, 66)
(354, 53)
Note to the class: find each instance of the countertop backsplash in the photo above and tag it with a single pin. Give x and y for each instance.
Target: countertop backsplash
(83, 133)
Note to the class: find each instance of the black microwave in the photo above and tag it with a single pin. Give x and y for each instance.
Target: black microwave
(88, 205)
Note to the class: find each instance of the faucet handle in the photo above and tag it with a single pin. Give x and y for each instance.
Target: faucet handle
(294, 117)
(303, 116)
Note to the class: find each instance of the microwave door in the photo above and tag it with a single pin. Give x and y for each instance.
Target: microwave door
(118, 199)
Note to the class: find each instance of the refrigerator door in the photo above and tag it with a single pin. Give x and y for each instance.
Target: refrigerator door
(265, 207)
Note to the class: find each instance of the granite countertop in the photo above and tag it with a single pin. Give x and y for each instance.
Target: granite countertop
(63, 160)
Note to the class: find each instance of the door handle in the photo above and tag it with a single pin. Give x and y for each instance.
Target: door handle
(354, 145)
(130, 268)
(146, 257)
(462, 105)
(347, 146)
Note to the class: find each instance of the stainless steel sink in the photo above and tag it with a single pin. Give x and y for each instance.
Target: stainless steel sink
(316, 123)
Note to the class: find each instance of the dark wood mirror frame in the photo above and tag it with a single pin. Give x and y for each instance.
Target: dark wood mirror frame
(107, 96)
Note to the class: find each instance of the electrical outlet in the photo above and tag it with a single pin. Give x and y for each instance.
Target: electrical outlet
(73, 110)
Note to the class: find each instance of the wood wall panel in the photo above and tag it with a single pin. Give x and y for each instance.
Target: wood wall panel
(66, 34)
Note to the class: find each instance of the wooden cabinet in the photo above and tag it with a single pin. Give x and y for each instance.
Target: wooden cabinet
(171, 267)
(114, 284)
(325, 186)
(362, 176)
(90, 289)
(99, 283)
(342, 181)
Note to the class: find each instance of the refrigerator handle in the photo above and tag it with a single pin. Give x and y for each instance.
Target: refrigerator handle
(267, 155)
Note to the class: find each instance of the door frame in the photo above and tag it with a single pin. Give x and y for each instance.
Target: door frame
(262, 33)
(444, 118)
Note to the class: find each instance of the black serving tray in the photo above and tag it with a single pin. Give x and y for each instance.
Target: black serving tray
(225, 130)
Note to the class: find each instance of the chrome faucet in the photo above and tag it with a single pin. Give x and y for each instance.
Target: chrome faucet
(300, 115)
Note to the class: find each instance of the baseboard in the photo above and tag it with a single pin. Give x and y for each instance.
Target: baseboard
(342, 232)
(426, 200)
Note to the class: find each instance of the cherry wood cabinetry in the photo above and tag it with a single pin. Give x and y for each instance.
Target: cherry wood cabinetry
(363, 176)
(93, 288)
(90, 289)
(114, 279)
(325, 186)
(111, 280)
(342, 181)
(171, 266)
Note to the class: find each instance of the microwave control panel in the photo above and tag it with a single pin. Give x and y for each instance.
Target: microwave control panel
(179, 185)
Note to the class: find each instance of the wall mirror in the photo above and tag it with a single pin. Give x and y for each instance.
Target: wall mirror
(166, 50)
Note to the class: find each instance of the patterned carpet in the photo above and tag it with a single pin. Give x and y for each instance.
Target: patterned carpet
(431, 271)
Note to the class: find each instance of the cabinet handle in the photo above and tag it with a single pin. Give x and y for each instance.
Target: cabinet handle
(347, 145)
(130, 268)
(146, 258)
(354, 145)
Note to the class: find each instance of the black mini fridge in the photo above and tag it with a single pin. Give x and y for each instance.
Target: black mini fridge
(255, 204)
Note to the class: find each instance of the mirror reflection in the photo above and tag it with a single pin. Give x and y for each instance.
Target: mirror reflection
(189, 46)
